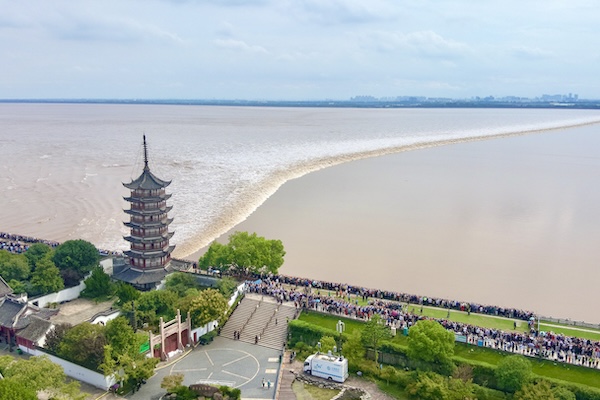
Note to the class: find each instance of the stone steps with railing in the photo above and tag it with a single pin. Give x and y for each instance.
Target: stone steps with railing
(260, 316)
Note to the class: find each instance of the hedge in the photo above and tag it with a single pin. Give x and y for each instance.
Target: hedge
(310, 334)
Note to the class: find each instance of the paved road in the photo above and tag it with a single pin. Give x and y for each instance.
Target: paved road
(223, 362)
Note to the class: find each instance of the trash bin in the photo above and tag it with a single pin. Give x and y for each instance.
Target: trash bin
(405, 331)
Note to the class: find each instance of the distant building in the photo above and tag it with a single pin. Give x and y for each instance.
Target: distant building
(149, 255)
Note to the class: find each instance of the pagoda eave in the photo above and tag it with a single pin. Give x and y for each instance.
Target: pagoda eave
(157, 211)
(148, 225)
(149, 239)
(154, 199)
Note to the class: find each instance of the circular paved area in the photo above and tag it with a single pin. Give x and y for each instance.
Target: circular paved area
(223, 362)
(222, 366)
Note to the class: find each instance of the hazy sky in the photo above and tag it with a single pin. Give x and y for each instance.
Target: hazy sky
(298, 49)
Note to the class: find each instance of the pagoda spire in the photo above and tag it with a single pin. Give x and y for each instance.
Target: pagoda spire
(146, 168)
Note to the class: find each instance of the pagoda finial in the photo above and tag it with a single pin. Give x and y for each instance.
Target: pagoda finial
(145, 155)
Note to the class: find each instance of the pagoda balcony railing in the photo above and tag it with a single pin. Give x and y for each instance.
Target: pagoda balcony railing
(150, 246)
(148, 263)
(147, 192)
(149, 206)
(160, 218)
(143, 233)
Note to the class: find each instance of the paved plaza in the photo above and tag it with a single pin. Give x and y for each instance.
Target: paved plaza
(222, 362)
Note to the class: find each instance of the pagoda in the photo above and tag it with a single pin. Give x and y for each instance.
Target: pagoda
(150, 252)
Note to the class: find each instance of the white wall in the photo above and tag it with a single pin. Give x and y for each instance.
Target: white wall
(58, 297)
(75, 371)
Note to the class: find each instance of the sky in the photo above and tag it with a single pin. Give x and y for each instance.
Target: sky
(298, 49)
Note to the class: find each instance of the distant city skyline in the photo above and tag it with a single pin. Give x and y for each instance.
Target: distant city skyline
(298, 49)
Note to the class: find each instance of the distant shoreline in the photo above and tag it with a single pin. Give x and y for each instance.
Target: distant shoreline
(437, 103)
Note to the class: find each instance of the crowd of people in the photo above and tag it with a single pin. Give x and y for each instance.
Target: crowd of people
(19, 244)
(340, 299)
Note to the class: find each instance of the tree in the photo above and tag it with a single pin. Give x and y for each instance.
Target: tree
(13, 266)
(513, 372)
(227, 286)
(180, 282)
(55, 336)
(389, 373)
(11, 389)
(374, 332)
(354, 350)
(123, 339)
(39, 373)
(431, 386)
(84, 345)
(36, 252)
(247, 251)
(98, 285)
(46, 277)
(562, 393)
(210, 305)
(155, 304)
(430, 342)
(78, 255)
(126, 293)
(541, 390)
(327, 344)
(216, 256)
(171, 382)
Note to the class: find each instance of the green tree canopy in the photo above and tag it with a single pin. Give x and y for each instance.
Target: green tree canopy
(180, 282)
(217, 256)
(210, 305)
(46, 277)
(121, 336)
(55, 336)
(79, 256)
(562, 393)
(541, 390)
(36, 252)
(227, 286)
(13, 266)
(84, 345)
(327, 344)
(430, 342)
(150, 306)
(11, 389)
(374, 332)
(126, 293)
(353, 349)
(39, 373)
(431, 386)
(98, 285)
(513, 372)
(247, 251)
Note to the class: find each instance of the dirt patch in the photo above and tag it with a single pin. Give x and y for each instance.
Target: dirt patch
(79, 310)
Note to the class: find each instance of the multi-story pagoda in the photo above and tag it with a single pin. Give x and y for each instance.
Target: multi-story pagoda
(150, 251)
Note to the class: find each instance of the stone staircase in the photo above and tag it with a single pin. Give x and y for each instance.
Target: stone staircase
(260, 316)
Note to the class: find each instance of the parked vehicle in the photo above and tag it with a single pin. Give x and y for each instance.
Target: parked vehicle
(328, 366)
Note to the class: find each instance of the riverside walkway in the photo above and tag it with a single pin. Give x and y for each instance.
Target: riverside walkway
(548, 345)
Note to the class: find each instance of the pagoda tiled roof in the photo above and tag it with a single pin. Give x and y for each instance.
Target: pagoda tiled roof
(149, 253)
(148, 181)
(144, 277)
(36, 329)
(149, 239)
(153, 199)
(5, 289)
(149, 212)
(146, 225)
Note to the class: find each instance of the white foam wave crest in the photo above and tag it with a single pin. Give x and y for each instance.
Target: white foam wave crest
(248, 200)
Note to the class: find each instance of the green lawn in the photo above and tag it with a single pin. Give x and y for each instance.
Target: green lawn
(561, 371)
(571, 331)
(482, 320)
